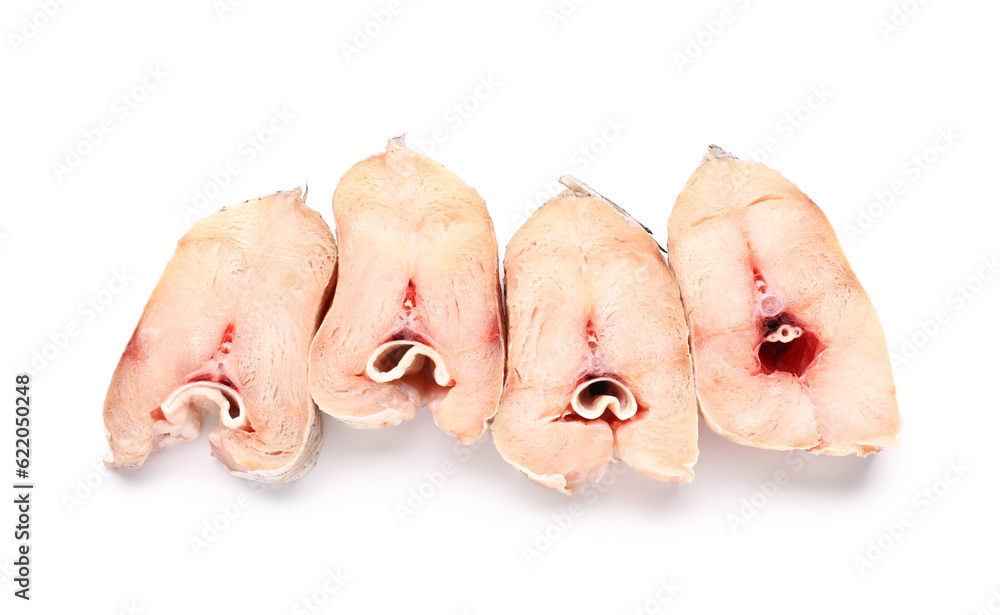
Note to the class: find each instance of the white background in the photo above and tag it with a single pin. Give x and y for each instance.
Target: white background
(124, 543)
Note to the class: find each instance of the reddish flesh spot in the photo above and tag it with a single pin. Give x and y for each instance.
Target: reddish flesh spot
(794, 358)
(591, 335)
(218, 373)
(132, 349)
(493, 333)
(410, 298)
(226, 345)
(758, 281)
(158, 414)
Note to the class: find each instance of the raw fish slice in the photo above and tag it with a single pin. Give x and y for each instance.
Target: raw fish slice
(788, 350)
(598, 365)
(226, 332)
(417, 319)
